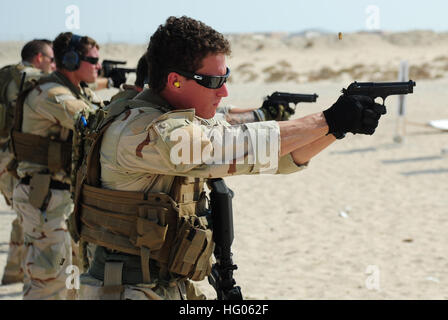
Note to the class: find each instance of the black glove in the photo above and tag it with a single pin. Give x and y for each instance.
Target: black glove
(371, 116)
(279, 111)
(355, 114)
(117, 78)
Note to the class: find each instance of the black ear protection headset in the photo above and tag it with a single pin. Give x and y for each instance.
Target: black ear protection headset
(72, 57)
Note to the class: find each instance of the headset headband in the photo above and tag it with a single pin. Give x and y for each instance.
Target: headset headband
(74, 42)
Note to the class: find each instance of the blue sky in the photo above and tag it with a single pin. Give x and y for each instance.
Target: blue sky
(135, 20)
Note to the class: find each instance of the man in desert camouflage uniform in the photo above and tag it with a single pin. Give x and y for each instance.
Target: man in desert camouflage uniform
(37, 59)
(141, 206)
(42, 145)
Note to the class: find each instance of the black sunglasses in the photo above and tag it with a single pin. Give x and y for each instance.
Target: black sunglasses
(91, 60)
(211, 82)
(51, 58)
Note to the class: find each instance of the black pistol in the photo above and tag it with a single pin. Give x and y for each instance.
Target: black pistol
(295, 98)
(277, 105)
(379, 89)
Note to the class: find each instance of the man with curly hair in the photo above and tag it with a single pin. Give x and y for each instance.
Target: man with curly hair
(142, 199)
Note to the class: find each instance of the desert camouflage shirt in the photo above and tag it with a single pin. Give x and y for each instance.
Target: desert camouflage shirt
(49, 111)
(142, 148)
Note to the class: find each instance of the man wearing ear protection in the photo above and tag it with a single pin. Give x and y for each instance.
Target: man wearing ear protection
(141, 199)
(41, 139)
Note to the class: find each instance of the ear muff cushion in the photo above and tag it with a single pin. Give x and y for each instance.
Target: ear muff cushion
(71, 60)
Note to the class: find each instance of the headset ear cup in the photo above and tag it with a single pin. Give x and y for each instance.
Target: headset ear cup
(71, 61)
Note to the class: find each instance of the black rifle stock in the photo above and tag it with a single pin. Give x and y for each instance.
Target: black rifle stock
(221, 277)
(379, 89)
(108, 66)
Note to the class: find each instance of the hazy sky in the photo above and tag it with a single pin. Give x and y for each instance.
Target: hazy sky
(136, 20)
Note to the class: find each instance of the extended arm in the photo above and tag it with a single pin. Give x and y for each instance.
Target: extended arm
(305, 137)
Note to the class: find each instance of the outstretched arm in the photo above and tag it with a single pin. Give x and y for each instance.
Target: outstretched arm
(304, 137)
(297, 133)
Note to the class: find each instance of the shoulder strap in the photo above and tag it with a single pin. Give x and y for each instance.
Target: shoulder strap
(93, 166)
(16, 73)
(114, 110)
(18, 110)
(55, 77)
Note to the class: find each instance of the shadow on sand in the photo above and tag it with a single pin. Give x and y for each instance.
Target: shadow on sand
(371, 149)
(416, 159)
(428, 171)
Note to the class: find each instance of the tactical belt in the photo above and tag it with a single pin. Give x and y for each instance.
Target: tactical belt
(57, 185)
(56, 155)
(132, 270)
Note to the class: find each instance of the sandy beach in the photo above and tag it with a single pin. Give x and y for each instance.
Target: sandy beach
(368, 218)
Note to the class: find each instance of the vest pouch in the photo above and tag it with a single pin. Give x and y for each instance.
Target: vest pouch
(39, 189)
(150, 234)
(54, 156)
(190, 243)
(72, 227)
(203, 266)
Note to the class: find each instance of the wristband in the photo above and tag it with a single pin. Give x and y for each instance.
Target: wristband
(259, 115)
(110, 83)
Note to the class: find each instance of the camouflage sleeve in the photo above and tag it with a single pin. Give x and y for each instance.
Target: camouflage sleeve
(221, 112)
(177, 143)
(237, 116)
(225, 109)
(56, 103)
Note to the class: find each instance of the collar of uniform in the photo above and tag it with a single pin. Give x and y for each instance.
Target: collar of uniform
(28, 67)
(27, 64)
(154, 98)
(66, 82)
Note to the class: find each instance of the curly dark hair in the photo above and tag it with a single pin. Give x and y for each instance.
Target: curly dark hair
(142, 72)
(181, 43)
(62, 42)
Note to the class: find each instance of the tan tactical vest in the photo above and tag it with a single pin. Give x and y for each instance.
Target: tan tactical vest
(162, 228)
(47, 151)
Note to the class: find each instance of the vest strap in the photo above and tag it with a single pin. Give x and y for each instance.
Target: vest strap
(113, 288)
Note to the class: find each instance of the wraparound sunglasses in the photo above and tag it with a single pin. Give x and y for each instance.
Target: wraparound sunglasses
(211, 82)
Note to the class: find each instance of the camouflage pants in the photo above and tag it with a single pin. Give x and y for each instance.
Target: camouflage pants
(13, 271)
(7, 181)
(47, 244)
(92, 289)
